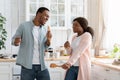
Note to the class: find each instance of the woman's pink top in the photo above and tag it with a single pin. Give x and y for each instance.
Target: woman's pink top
(80, 51)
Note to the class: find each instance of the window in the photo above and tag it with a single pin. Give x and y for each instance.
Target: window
(62, 12)
(112, 19)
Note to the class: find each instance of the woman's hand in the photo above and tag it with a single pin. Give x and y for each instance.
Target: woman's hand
(66, 66)
(67, 44)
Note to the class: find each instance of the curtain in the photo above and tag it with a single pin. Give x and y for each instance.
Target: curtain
(101, 29)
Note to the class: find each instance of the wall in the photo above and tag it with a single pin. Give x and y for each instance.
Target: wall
(14, 12)
(93, 17)
(5, 10)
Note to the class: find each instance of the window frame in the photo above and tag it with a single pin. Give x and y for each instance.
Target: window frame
(68, 21)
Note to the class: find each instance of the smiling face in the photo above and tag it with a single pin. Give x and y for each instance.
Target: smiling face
(43, 17)
(77, 28)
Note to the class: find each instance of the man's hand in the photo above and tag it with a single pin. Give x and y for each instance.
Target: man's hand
(17, 41)
(49, 35)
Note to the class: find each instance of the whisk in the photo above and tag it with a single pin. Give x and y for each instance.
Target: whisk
(68, 33)
(53, 65)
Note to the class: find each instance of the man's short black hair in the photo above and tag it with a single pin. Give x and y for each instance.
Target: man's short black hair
(41, 9)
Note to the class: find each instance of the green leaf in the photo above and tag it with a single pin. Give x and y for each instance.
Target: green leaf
(3, 32)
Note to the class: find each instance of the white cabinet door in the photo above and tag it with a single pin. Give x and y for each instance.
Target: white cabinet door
(5, 71)
(99, 72)
(56, 73)
(16, 77)
(104, 73)
(93, 75)
(114, 75)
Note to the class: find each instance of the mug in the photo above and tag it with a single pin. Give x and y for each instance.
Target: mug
(47, 54)
(57, 54)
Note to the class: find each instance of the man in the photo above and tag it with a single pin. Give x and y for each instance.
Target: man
(34, 38)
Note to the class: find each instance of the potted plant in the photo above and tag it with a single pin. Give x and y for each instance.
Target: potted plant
(3, 32)
(115, 52)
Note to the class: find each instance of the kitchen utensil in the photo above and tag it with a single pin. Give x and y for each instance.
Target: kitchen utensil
(48, 28)
(53, 65)
(68, 33)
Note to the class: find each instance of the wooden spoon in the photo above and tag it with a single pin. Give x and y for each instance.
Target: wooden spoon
(48, 28)
(53, 65)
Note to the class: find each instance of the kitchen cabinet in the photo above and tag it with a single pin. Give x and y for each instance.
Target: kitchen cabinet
(56, 73)
(6, 70)
(99, 72)
(10, 71)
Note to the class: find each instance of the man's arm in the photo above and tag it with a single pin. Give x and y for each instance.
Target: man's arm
(49, 36)
(16, 39)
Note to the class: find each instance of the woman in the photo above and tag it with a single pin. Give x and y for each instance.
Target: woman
(79, 64)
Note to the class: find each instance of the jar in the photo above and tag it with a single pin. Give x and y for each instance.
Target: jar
(62, 50)
(50, 50)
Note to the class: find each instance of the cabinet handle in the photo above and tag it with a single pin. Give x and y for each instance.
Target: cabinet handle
(107, 70)
(92, 65)
(17, 78)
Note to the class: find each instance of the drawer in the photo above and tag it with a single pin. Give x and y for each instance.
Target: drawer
(5, 68)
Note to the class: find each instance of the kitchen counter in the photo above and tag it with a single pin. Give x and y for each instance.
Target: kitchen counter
(47, 59)
(7, 60)
(56, 59)
(106, 62)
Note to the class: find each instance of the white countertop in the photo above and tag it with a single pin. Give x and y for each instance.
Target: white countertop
(106, 62)
(47, 59)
